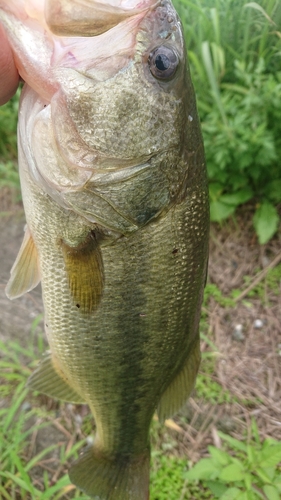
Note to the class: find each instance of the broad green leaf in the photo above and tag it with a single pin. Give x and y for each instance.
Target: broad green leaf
(234, 443)
(271, 492)
(230, 494)
(204, 469)
(232, 472)
(248, 480)
(215, 190)
(237, 198)
(277, 480)
(220, 456)
(217, 488)
(220, 211)
(271, 456)
(270, 472)
(265, 222)
(273, 190)
(263, 475)
(244, 495)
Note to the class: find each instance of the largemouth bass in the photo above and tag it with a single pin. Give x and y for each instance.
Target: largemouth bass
(115, 194)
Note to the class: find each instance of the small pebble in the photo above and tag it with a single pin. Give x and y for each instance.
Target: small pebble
(238, 333)
(258, 323)
(265, 261)
(26, 406)
(78, 419)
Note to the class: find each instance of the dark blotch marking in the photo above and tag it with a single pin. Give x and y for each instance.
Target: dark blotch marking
(175, 251)
(146, 215)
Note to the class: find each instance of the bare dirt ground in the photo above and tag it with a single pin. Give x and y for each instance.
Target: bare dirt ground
(247, 359)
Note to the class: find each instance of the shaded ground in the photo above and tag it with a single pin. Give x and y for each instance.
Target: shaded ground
(247, 336)
(241, 364)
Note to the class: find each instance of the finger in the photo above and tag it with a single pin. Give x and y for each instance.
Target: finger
(9, 77)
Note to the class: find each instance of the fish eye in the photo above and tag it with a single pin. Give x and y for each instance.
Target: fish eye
(163, 62)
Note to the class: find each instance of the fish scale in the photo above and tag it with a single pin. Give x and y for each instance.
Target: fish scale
(115, 194)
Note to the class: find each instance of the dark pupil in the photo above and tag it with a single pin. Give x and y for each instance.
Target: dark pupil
(162, 62)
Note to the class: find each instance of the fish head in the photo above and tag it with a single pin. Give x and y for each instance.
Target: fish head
(134, 106)
(131, 102)
(109, 116)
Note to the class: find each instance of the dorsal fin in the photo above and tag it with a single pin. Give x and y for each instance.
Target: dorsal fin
(84, 267)
(25, 274)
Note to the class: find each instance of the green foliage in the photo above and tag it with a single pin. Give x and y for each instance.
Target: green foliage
(241, 470)
(265, 221)
(211, 290)
(8, 145)
(16, 428)
(270, 283)
(9, 175)
(8, 129)
(206, 386)
(167, 480)
(234, 49)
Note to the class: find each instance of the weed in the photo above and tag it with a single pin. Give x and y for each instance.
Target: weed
(234, 49)
(9, 175)
(211, 290)
(271, 282)
(8, 128)
(207, 387)
(242, 471)
(19, 411)
(167, 480)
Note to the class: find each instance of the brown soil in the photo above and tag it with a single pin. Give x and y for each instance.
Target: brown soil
(247, 363)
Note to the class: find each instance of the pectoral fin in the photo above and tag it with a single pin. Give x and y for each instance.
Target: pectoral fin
(25, 273)
(179, 390)
(50, 380)
(84, 268)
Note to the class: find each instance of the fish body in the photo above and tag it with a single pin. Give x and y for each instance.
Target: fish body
(116, 200)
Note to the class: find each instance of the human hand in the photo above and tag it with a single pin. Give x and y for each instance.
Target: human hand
(9, 77)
